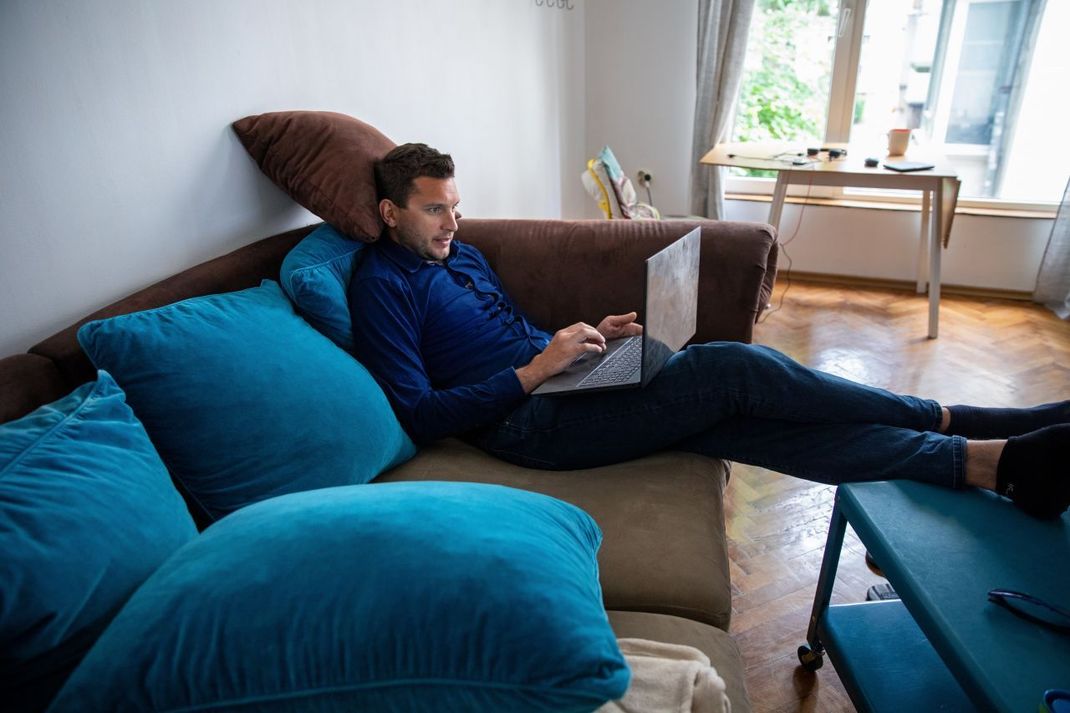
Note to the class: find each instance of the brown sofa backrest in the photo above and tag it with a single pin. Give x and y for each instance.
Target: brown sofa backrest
(245, 267)
(559, 272)
(563, 272)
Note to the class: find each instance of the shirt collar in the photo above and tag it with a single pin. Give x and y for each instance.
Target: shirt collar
(406, 259)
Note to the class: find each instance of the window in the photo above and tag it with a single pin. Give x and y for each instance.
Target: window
(787, 72)
(980, 82)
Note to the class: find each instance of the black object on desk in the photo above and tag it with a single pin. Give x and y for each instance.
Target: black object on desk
(906, 166)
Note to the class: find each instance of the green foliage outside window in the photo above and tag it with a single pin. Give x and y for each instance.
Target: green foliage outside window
(784, 94)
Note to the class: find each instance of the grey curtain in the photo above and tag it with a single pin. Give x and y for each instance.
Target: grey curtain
(722, 44)
(1053, 280)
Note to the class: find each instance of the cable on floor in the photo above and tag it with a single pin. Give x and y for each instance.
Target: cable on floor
(784, 250)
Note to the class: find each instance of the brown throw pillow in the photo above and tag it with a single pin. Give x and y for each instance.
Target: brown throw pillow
(323, 160)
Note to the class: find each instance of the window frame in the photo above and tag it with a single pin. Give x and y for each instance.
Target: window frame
(839, 119)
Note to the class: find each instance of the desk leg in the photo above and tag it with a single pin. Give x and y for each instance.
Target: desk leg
(811, 654)
(926, 215)
(776, 209)
(936, 239)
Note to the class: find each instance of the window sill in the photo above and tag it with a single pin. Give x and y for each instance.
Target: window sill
(990, 211)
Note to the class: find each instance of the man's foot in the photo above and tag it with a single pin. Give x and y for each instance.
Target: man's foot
(991, 423)
(1034, 471)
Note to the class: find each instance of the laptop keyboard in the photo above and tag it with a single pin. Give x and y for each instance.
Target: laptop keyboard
(619, 367)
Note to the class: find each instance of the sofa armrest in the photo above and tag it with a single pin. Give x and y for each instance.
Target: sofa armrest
(26, 382)
(565, 271)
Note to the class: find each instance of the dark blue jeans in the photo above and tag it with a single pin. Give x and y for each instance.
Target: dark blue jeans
(744, 403)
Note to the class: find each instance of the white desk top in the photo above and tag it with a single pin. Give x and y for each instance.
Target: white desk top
(778, 156)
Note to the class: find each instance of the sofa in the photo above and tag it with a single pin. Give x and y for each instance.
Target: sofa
(662, 567)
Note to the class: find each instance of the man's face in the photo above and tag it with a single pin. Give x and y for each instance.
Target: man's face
(429, 219)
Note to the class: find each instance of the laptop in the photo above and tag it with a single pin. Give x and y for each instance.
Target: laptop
(670, 318)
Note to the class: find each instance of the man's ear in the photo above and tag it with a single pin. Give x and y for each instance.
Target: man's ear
(388, 211)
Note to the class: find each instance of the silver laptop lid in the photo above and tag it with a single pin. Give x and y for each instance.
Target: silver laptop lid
(671, 302)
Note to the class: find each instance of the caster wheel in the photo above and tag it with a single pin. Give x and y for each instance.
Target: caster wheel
(810, 659)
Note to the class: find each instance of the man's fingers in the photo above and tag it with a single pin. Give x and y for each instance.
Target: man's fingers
(619, 321)
(620, 325)
(577, 328)
(592, 337)
(622, 319)
(587, 333)
(589, 338)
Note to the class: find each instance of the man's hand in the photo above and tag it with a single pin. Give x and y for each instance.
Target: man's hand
(567, 344)
(616, 326)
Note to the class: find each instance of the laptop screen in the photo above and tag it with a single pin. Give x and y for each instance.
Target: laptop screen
(671, 301)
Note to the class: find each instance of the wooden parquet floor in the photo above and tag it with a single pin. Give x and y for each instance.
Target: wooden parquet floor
(990, 352)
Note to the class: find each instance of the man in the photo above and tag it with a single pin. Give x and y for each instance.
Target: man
(456, 357)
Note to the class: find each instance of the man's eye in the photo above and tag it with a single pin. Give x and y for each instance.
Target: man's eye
(434, 209)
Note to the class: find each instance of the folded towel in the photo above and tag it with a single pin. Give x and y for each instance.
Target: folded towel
(669, 678)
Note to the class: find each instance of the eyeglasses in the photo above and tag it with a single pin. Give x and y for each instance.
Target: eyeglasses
(1032, 609)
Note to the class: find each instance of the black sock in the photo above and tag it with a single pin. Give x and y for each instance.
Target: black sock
(1034, 471)
(987, 423)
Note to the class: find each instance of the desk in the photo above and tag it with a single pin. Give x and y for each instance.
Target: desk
(939, 188)
(944, 646)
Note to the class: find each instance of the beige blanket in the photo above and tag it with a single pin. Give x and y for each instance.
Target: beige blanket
(669, 678)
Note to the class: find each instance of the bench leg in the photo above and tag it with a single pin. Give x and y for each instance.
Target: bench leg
(811, 654)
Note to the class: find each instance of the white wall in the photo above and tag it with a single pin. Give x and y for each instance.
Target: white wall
(984, 252)
(641, 92)
(118, 166)
(641, 101)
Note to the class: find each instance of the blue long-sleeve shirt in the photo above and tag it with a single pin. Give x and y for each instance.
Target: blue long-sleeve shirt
(442, 340)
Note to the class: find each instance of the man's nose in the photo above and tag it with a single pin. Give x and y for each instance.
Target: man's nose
(451, 221)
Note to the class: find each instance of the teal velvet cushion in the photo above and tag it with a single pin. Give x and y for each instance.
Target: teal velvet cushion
(315, 275)
(244, 400)
(386, 597)
(87, 513)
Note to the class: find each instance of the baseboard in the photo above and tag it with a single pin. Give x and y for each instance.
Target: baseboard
(907, 285)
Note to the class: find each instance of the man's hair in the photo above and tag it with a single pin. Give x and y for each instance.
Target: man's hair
(395, 172)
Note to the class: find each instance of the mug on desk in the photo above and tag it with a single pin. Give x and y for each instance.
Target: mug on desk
(898, 140)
